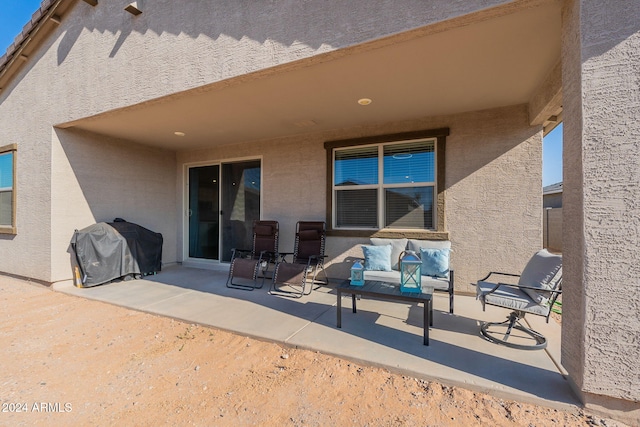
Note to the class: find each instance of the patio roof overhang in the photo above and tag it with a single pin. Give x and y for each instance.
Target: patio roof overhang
(491, 62)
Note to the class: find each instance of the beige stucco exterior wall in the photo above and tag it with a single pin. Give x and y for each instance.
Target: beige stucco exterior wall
(293, 180)
(101, 58)
(492, 203)
(27, 253)
(601, 204)
(493, 184)
(95, 179)
(494, 181)
(116, 60)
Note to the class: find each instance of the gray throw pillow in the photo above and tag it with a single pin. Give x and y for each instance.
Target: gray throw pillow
(543, 271)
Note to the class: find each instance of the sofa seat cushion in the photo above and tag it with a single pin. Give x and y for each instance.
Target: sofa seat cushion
(510, 297)
(439, 283)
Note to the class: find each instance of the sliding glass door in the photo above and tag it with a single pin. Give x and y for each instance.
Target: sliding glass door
(241, 205)
(204, 212)
(223, 201)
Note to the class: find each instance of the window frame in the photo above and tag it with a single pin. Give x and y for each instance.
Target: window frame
(13, 149)
(438, 232)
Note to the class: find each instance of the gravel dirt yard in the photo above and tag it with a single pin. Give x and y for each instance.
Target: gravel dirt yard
(71, 361)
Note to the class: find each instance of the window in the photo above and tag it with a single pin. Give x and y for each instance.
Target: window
(7, 189)
(387, 183)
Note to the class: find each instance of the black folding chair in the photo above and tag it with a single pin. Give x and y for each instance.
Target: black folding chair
(293, 278)
(250, 265)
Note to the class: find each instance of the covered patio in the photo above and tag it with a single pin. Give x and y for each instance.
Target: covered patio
(382, 333)
(139, 108)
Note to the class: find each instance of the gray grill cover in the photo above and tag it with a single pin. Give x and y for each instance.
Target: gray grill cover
(120, 249)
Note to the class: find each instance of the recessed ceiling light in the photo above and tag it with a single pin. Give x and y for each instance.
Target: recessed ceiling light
(364, 101)
(179, 133)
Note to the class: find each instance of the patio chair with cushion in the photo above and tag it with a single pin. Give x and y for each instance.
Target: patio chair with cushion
(537, 289)
(250, 265)
(298, 277)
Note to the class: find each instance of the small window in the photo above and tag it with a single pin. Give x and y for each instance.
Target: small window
(388, 185)
(7, 189)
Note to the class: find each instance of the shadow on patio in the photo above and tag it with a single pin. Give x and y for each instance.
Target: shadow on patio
(382, 333)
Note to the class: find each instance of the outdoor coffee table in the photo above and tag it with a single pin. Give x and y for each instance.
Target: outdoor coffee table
(387, 291)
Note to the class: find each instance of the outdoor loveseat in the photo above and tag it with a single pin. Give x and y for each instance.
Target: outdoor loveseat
(381, 262)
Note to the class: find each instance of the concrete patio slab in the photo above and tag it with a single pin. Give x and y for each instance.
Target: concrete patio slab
(382, 333)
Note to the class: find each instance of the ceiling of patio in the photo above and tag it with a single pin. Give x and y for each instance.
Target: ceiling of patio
(492, 63)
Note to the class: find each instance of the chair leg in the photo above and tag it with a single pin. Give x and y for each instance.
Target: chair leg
(513, 322)
(451, 301)
(451, 289)
(315, 282)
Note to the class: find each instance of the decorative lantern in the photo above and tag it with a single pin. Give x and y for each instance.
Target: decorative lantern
(357, 274)
(410, 278)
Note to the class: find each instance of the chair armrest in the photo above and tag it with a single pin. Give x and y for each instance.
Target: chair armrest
(553, 291)
(282, 256)
(239, 252)
(498, 273)
(316, 258)
(270, 254)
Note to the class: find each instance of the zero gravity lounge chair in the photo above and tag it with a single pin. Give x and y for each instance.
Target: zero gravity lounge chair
(537, 289)
(292, 278)
(251, 266)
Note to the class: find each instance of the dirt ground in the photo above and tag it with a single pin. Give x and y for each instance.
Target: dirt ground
(71, 361)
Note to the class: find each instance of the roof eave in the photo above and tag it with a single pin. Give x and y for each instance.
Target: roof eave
(31, 34)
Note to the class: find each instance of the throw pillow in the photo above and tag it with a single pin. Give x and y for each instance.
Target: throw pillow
(435, 262)
(397, 246)
(543, 271)
(377, 258)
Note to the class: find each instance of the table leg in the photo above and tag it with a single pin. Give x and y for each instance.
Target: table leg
(339, 312)
(427, 322)
(353, 302)
(431, 311)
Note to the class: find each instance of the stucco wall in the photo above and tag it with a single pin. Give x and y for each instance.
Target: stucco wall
(23, 121)
(293, 184)
(552, 229)
(601, 202)
(95, 179)
(494, 181)
(552, 200)
(178, 45)
(493, 186)
(101, 58)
